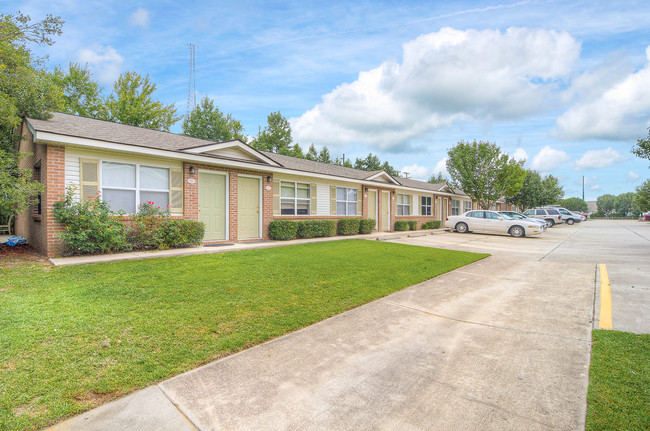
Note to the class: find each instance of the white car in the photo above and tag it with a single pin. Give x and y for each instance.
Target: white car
(492, 222)
(515, 215)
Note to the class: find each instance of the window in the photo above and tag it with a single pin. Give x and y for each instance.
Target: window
(426, 205)
(540, 212)
(294, 198)
(468, 206)
(475, 214)
(455, 207)
(491, 215)
(346, 201)
(125, 186)
(403, 205)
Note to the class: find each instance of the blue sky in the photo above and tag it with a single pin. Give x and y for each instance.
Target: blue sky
(563, 84)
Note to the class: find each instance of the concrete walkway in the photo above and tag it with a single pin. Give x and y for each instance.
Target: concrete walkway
(502, 344)
(222, 248)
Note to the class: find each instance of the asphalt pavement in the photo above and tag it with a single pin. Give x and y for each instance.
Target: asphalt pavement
(501, 344)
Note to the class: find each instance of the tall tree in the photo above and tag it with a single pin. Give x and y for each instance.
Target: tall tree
(537, 191)
(551, 189)
(81, 94)
(343, 162)
(207, 122)
(390, 170)
(624, 203)
(370, 163)
(437, 179)
(312, 153)
(483, 172)
(574, 204)
(17, 190)
(324, 156)
(276, 136)
(132, 103)
(642, 196)
(606, 204)
(642, 148)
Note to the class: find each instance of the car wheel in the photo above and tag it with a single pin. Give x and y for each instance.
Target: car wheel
(517, 231)
(570, 221)
(461, 228)
(551, 222)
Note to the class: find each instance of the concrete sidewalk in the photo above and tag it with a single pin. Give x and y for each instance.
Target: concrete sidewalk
(222, 248)
(498, 345)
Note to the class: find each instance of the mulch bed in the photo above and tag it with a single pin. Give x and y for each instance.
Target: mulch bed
(20, 254)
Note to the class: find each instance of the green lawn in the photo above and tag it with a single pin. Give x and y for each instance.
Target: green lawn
(74, 337)
(619, 382)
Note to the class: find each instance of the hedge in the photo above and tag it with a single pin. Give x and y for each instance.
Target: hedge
(401, 225)
(413, 224)
(433, 224)
(283, 230)
(367, 225)
(316, 228)
(348, 226)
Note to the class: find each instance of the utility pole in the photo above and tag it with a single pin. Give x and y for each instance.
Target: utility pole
(583, 187)
(191, 86)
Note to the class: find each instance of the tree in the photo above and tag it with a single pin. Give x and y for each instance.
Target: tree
(483, 172)
(296, 151)
(132, 103)
(276, 136)
(343, 162)
(312, 153)
(207, 122)
(642, 148)
(81, 95)
(437, 179)
(574, 204)
(17, 190)
(606, 204)
(390, 170)
(624, 203)
(370, 163)
(324, 156)
(642, 196)
(26, 89)
(537, 191)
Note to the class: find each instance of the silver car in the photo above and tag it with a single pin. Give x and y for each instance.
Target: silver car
(515, 215)
(492, 222)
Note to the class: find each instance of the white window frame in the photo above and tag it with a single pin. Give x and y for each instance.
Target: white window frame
(426, 207)
(455, 207)
(403, 208)
(137, 188)
(346, 201)
(295, 199)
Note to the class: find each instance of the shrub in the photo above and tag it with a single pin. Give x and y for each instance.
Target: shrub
(433, 224)
(316, 228)
(283, 229)
(413, 224)
(348, 226)
(367, 225)
(182, 233)
(89, 226)
(401, 225)
(147, 229)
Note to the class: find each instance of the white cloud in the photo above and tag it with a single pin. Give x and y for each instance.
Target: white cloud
(140, 18)
(443, 77)
(441, 168)
(520, 154)
(612, 108)
(417, 172)
(594, 187)
(548, 159)
(596, 159)
(104, 61)
(632, 176)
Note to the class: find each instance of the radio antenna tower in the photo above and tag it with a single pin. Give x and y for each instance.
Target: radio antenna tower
(191, 86)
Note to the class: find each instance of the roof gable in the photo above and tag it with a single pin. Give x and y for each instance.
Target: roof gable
(235, 149)
(382, 177)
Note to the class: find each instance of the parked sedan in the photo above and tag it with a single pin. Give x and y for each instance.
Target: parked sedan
(519, 216)
(492, 222)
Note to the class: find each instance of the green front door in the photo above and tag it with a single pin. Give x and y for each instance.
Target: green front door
(248, 211)
(212, 205)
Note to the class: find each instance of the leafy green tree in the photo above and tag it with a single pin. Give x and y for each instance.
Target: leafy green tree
(81, 95)
(606, 204)
(483, 172)
(324, 156)
(370, 163)
(437, 179)
(312, 153)
(276, 136)
(574, 204)
(132, 103)
(642, 196)
(642, 148)
(390, 170)
(343, 162)
(537, 191)
(207, 122)
(624, 203)
(17, 190)
(296, 151)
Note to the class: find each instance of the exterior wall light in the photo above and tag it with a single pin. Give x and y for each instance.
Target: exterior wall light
(192, 169)
(268, 178)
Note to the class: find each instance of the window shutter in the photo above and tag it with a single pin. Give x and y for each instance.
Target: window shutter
(360, 201)
(333, 200)
(415, 206)
(276, 196)
(313, 197)
(176, 191)
(89, 177)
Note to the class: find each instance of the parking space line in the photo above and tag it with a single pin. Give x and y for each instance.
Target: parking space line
(605, 316)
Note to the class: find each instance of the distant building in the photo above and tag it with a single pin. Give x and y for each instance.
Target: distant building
(591, 207)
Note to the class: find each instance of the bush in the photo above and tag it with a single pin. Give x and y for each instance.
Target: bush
(413, 224)
(316, 228)
(182, 233)
(90, 226)
(147, 229)
(401, 225)
(433, 224)
(348, 226)
(367, 225)
(283, 230)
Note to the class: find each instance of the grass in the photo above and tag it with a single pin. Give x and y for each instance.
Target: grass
(74, 337)
(619, 382)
